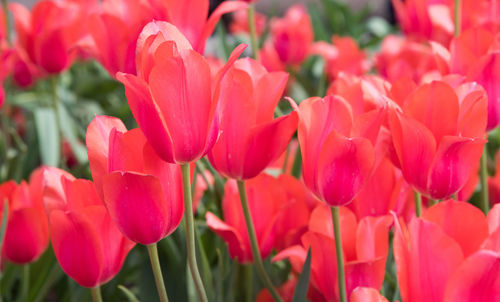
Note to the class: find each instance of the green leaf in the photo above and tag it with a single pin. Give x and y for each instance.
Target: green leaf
(48, 136)
(303, 282)
(130, 296)
(69, 131)
(3, 226)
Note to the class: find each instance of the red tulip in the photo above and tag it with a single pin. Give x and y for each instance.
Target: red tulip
(249, 95)
(27, 233)
(337, 158)
(49, 33)
(174, 99)
(438, 136)
(291, 37)
(366, 294)
(434, 246)
(86, 242)
(142, 193)
(266, 198)
(239, 23)
(364, 243)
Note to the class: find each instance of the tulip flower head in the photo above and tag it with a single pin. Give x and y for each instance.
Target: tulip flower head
(86, 242)
(438, 136)
(248, 97)
(174, 98)
(143, 194)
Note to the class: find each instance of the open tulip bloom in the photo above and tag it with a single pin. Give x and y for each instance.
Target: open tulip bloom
(332, 159)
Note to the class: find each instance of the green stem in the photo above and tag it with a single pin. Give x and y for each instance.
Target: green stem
(55, 106)
(253, 32)
(25, 285)
(190, 243)
(340, 255)
(155, 264)
(457, 17)
(254, 244)
(96, 294)
(418, 203)
(247, 269)
(7, 23)
(485, 203)
(285, 161)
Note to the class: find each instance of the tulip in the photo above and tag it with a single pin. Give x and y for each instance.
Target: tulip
(142, 193)
(330, 138)
(49, 32)
(447, 233)
(27, 234)
(365, 244)
(133, 181)
(291, 38)
(249, 95)
(86, 242)
(438, 136)
(180, 124)
(240, 24)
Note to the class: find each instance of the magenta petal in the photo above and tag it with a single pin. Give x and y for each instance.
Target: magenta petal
(136, 204)
(231, 236)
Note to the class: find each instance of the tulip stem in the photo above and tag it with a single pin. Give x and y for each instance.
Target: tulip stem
(340, 255)
(55, 106)
(418, 203)
(25, 285)
(254, 243)
(485, 203)
(155, 264)
(190, 243)
(457, 17)
(96, 294)
(253, 32)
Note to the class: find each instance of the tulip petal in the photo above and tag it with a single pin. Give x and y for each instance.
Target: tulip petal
(268, 92)
(344, 165)
(455, 161)
(75, 242)
(366, 294)
(137, 205)
(415, 147)
(461, 221)
(372, 237)
(276, 135)
(476, 280)
(230, 236)
(147, 115)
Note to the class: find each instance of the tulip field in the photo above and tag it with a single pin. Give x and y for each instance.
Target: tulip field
(196, 150)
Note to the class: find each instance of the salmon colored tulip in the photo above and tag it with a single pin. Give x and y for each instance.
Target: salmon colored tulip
(248, 98)
(291, 39)
(142, 193)
(366, 294)
(267, 198)
(49, 32)
(435, 246)
(239, 23)
(364, 243)
(174, 98)
(343, 55)
(438, 136)
(27, 233)
(86, 242)
(337, 148)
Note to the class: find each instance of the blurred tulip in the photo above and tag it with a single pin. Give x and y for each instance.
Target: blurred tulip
(438, 136)
(337, 147)
(447, 233)
(248, 97)
(366, 294)
(239, 24)
(266, 198)
(27, 233)
(142, 193)
(87, 244)
(174, 99)
(49, 32)
(364, 244)
(291, 38)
